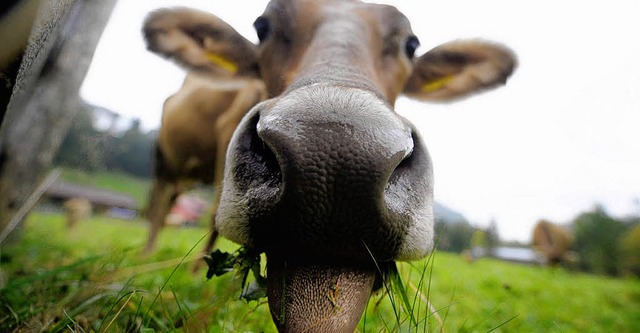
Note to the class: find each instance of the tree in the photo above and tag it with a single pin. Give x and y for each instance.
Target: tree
(598, 239)
(491, 238)
(83, 147)
(132, 152)
(453, 237)
(86, 148)
(631, 251)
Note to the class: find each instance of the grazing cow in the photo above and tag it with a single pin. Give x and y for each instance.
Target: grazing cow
(77, 210)
(325, 178)
(197, 123)
(553, 241)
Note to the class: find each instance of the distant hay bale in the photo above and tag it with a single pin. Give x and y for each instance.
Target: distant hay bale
(77, 210)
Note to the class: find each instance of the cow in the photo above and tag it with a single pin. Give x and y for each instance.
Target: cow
(325, 177)
(197, 123)
(553, 242)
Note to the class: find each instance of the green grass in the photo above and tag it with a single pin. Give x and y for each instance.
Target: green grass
(93, 279)
(95, 275)
(543, 299)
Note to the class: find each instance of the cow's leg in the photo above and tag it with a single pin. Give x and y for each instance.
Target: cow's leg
(213, 234)
(163, 195)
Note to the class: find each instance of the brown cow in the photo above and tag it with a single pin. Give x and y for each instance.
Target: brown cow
(325, 178)
(197, 124)
(553, 241)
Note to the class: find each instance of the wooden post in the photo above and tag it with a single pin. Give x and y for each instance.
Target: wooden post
(41, 110)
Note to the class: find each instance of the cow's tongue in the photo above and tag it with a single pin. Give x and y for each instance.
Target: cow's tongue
(309, 297)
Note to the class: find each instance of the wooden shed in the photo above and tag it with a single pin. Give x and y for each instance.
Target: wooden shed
(101, 199)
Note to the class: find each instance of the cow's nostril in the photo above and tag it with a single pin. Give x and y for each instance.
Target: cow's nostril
(408, 161)
(266, 157)
(252, 182)
(256, 165)
(408, 196)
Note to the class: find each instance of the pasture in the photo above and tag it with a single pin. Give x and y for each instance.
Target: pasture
(93, 279)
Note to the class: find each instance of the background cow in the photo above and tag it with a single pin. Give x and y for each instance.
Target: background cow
(553, 241)
(197, 121)
(326, 178)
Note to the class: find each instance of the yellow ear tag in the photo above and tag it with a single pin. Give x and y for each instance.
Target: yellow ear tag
(220, 61)
(436, 84)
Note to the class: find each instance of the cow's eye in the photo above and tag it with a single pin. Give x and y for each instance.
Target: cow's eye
(262, 28)
(411, 45)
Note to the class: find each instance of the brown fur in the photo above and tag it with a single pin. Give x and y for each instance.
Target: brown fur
(553, 241)
(197, 123)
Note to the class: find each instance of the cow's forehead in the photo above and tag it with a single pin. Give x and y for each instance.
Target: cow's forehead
(310, 12)
(366, 38)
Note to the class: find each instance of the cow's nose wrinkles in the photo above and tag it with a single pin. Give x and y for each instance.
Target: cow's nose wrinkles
(336, 157)
(350, 148)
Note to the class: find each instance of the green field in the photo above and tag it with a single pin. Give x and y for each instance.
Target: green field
(93, 279)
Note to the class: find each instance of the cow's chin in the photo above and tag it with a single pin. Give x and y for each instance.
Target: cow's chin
(317, 297)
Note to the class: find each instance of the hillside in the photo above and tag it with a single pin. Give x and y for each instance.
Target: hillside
(448, 215)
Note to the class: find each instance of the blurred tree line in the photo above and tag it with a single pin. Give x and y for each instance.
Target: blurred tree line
(87, 148)
(603, 244)
(607, 245)
(453, 237)
(459, 236)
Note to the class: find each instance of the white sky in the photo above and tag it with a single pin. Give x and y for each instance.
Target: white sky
(562, 135)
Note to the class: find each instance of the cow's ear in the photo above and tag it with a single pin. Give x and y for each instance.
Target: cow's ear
(457, 69)
(199, 41)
